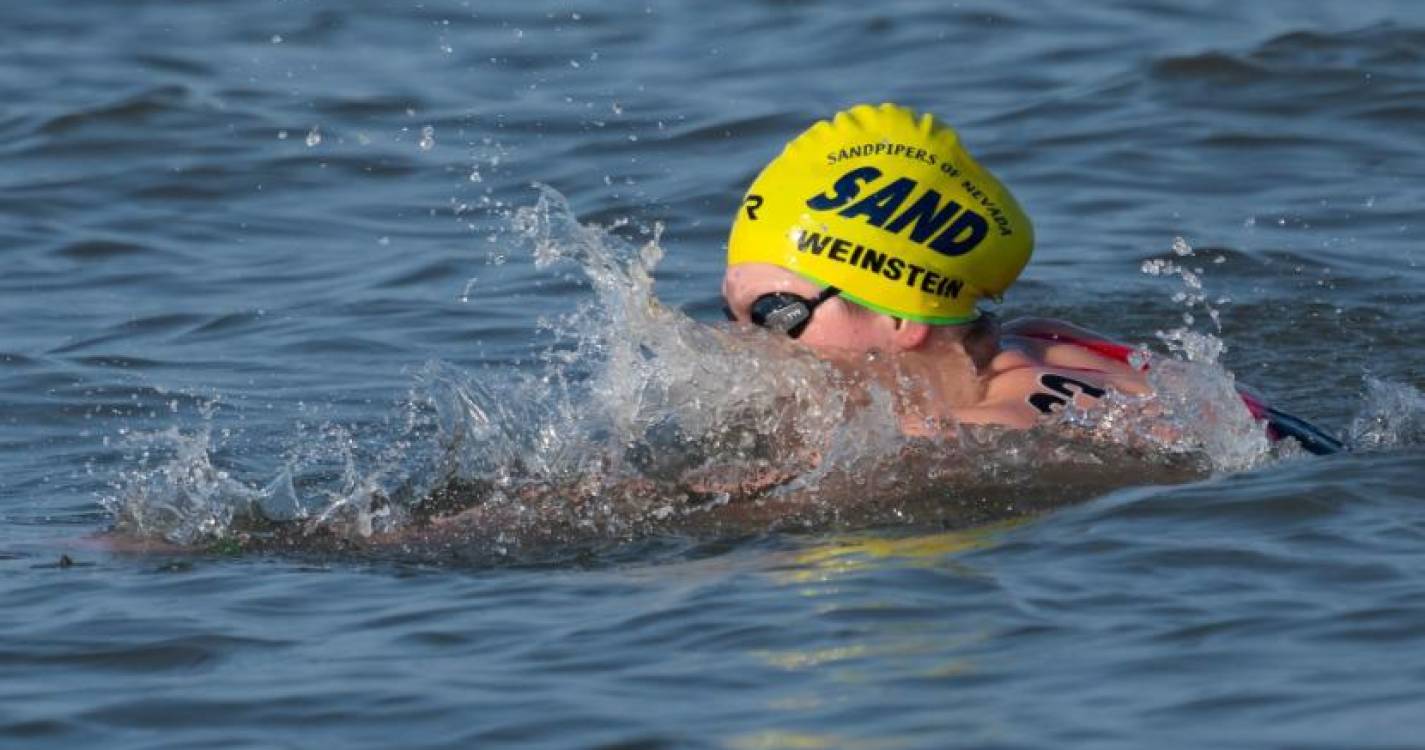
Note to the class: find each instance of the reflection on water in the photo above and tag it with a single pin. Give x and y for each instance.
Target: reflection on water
(857, 552)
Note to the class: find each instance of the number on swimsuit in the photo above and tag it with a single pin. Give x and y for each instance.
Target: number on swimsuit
(1064, 389)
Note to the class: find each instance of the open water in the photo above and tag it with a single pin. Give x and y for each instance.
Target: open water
(278, 286)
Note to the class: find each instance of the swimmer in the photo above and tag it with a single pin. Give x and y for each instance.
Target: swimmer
(871, 238)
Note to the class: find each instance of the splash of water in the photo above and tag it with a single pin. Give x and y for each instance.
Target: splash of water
(174, 491)
(1194, 406)
(1193, 410)
(1185, 341)
(632, 390)
(1391, 415)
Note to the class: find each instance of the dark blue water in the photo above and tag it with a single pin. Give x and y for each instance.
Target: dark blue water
(276, 280)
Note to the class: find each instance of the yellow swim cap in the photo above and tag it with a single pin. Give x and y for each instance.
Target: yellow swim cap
(888, 207)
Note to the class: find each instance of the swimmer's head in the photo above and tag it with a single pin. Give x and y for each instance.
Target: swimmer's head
(887, 207)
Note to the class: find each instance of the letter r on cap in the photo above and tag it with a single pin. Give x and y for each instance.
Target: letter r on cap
(752, 203)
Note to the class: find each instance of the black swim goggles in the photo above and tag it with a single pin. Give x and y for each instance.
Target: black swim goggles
(784, 311)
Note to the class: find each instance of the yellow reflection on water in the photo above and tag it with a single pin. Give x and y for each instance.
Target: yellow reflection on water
(858, 552)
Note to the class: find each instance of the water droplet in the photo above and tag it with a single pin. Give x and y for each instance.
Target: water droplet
(276, 38)
(427, 138)
(383, 241)
(281, 135)
(314, 136)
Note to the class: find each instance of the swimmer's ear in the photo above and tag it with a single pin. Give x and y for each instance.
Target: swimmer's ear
(910, 335)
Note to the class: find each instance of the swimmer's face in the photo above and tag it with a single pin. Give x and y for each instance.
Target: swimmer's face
(836, 324)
